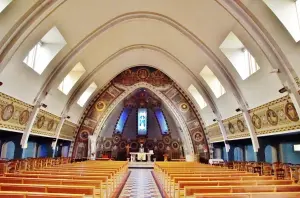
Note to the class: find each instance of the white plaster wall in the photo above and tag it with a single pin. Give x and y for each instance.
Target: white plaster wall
(56, 101)
(262, 83)
(12, 13)
(278, 32)
(75, 113)
(207, 115)
(19, 80)
(227, 104)
(286, 12)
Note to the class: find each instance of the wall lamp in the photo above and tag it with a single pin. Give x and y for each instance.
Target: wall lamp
(238, 110)
(44, 105)
(283, 89)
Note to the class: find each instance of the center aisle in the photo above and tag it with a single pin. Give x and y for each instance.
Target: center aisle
(140, 184)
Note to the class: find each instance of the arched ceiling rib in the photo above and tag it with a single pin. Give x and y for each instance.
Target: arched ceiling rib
(220, 67)
(24, 26)
(185, 136)
(196, 37)
(88, 79)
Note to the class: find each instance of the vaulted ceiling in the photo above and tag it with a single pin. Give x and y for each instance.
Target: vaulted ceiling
(177, 37)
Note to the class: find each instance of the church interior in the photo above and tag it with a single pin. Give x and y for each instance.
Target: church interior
(196, 98)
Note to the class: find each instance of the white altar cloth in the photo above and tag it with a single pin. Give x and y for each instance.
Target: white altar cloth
(141, 156)
(212, 161)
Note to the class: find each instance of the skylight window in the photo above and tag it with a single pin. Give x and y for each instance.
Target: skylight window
(45, 50)
(4, 4)
(212, 81)
(72, 77)
(197, 96)
(86, 94)
(288, 13)
(239, 56)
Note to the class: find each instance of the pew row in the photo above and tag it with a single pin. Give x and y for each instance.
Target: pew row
(189, 191)
(250, 195)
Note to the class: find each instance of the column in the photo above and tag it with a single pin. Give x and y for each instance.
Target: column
(224, 134)
(251, 131)
(28, 127)
(57, 133)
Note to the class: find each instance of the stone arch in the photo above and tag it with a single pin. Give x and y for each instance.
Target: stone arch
(191, 128)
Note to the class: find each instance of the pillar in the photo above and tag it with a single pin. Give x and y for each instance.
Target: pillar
(57, 133)
(29, 126)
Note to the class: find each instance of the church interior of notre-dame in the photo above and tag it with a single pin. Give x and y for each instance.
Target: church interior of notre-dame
(150, 99)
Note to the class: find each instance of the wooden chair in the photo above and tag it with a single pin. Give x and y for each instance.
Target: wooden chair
(280, 173)
(257, 169)
(267, 170)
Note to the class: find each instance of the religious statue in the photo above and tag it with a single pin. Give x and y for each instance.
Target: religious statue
(92, 146)
(127, 150)
(141, 148)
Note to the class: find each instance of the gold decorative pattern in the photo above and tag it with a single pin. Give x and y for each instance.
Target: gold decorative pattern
(42, 122)
(273, 117)
(21, 113)
(68, 130)
(235, 120)
(19, 107)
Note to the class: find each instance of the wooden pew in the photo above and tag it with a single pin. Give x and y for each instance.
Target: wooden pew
(86, 190)
(12, 194)
(191, 190)
(168, 179)
(104, 179)
(99, 175)
(176, 180)
(182, 184)
(251, 195)
(64, 182)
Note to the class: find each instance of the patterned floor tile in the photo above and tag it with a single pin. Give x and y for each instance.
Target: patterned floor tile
(140, 184)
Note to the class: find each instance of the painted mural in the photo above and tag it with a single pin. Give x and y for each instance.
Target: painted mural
(45, 124)
(92, 116)
(276, 116)
(68, 130)
(15, 115)
(130, 77)
(192, 118)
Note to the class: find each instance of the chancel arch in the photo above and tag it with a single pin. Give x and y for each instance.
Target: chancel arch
(191, 129)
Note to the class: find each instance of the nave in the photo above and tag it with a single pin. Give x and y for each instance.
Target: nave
(140, 184)
(62, 178)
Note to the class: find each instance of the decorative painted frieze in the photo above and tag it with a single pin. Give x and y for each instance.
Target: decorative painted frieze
(274, 117)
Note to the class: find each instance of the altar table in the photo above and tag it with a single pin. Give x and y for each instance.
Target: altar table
(140, 156)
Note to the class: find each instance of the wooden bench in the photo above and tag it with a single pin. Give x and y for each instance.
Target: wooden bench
(12, 194)
(191, 190)
(65, 182)
(179, 191)
(251, 195)
(174, 179)
(86, 190)
(175, 183)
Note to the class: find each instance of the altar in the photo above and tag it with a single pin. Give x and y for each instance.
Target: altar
(140, 156)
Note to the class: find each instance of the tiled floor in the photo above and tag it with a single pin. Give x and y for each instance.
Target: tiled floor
(140, 184)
